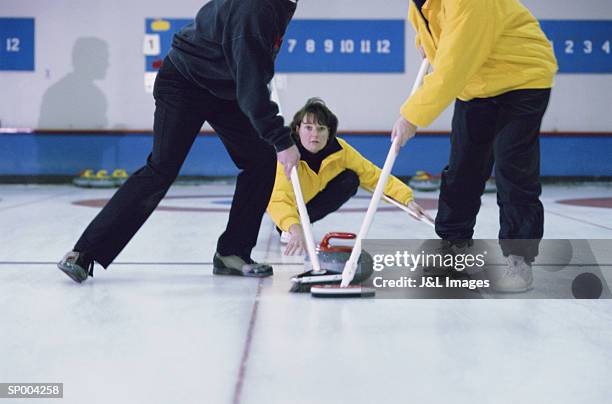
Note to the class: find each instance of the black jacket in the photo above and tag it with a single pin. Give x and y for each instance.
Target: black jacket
(230, 49)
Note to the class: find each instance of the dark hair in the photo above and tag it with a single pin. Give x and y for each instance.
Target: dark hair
(321, 115)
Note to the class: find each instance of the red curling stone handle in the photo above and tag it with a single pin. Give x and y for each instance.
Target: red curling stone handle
(325, 247)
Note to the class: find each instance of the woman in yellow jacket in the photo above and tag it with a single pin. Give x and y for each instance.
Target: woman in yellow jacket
(330, 172)
(493, 59)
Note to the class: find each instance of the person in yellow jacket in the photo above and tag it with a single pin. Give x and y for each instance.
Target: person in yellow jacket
(330, 172)
(494, 60)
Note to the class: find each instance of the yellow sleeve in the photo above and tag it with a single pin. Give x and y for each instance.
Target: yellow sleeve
(369, 174)
(463, 48)
(411, 18)
(282, 207)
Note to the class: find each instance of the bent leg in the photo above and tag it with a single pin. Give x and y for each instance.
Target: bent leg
(176, 124)
(335, 194)
(257, 161)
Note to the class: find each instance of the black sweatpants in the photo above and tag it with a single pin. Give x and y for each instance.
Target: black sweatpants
(335, 194)
(502, 130)
(181, 108)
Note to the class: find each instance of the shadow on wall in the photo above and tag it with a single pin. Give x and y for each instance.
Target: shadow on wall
(76, 102)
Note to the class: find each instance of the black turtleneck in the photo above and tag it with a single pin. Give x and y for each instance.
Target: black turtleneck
(314, 160)
(419, 5)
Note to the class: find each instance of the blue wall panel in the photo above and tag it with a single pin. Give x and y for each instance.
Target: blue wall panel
(17, 44)
(343, 46)
(581, 46)
(32, 154)
(316, 46)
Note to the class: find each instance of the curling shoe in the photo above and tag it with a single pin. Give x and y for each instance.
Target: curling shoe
(78, 266)
(237, 266)
(517, 276)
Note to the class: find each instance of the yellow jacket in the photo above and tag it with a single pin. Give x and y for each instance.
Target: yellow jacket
(478, 49)
(283, 208)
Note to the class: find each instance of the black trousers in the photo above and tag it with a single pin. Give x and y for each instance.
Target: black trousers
(502, 130)
(335, 194)
(181, 108)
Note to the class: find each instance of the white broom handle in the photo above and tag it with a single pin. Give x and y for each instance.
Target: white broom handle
(274, 95)
(299, 198)
(407, 210)
(305, 220)
(351, 265)
(419, 78)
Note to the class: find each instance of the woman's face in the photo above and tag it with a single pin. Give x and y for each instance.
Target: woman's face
(312, 135)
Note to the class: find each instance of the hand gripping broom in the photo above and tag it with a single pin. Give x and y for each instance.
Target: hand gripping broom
(351, 264)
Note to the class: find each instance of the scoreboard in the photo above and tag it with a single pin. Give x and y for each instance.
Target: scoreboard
(378, 46)
(311, 46)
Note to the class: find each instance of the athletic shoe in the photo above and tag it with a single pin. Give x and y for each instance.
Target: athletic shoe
(517, 276)
(438, 252)
(77, 266)
(237, 266)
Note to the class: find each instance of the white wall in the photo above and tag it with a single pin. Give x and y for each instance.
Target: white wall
(362, 101)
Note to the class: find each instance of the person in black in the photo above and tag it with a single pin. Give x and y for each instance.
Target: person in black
(217, 71)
